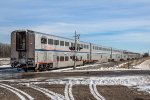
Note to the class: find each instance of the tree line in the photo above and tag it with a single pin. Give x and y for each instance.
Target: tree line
(146, 54)
(5, 50)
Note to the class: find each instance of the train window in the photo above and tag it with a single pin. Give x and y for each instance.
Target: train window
(85, 46)
(56, 42)
(99, 48)
(66, 58)
(78, 45)
(104, 49)
(44, 40)
(66, 43)
(61, 43)
(21, 41)
(72, 44)
(82, 45)
(50, 41)
(57, 58)
(93, 47)
(72, 57)
(81, 58)
(61, 58)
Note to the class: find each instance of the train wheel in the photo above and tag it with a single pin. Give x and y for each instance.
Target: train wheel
(39, 67)
(36, 68)
(47, 67)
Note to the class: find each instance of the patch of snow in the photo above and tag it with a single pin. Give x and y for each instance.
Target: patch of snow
(115, 67)
(48, 93)
(5, 66)
(4, 58)
(15, 92)
(144, 88)
(141, 81)
(144, 66)
(95, 93)
(68, 92)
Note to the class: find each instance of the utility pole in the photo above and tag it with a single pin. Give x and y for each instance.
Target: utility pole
(128, 60)
(111, 54)
(75, 51)
(121, 55)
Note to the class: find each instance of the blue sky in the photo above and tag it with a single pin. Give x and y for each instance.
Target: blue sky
(123, 24)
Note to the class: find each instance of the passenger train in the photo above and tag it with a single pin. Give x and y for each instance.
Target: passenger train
(40, 51)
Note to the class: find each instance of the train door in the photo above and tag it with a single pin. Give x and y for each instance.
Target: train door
(43, 47)
(55, 60)
(31, 49)
(88, 56)
(21, 46)
(45, 56)
(14, 53)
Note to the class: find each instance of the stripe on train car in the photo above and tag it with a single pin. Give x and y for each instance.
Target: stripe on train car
(66, 51)
(50, 61)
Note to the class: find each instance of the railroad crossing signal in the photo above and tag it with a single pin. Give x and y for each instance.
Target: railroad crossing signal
(73, 48)
(79, 48)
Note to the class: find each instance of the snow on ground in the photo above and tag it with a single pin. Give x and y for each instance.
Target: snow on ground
(144, 88)
(4, 58)
(4, 61)
(144, 66)
(5, 66)
(115, 67)
(141, 83)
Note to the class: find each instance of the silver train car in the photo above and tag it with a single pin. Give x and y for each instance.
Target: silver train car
(40, 51)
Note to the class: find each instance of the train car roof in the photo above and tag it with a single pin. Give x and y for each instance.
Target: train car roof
(56, 36)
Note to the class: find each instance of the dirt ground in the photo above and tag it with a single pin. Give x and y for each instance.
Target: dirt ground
(6, 95)
(122, 93)
(80, 92)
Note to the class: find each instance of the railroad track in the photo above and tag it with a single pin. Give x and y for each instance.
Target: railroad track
(73, 88)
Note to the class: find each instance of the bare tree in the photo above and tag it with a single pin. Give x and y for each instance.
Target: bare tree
(146, 54)
(4, 50)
